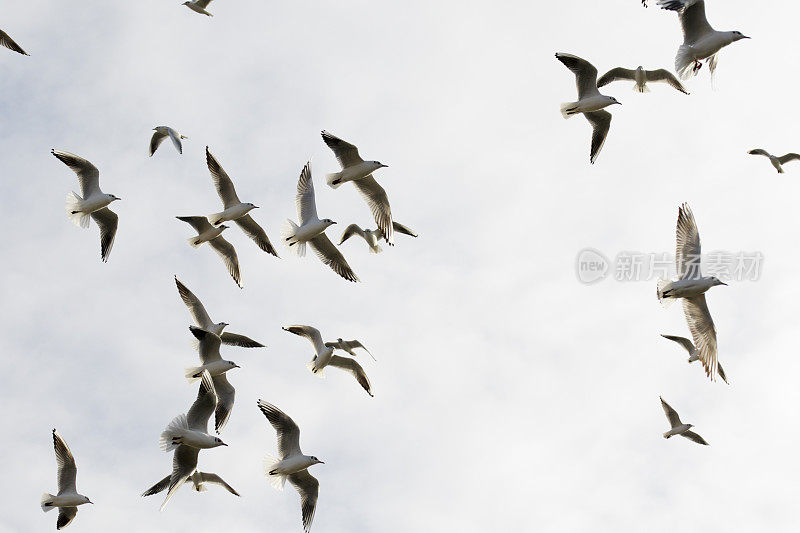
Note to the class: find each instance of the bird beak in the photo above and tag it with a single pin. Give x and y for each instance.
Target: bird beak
(384, 166)
(236, 366)
(746, 37)
(224, 444)
(723, 283)
(255, 207)
(322, 462)
(90, 501)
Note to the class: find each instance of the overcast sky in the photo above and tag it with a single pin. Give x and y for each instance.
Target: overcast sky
(508, 395)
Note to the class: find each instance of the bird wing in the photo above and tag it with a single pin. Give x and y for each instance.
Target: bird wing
(310, 333)
(687, 245)
(196, 308)
(355, 343)
(200, 224)
(667, 77)
(308, 487)
(67, 471)
(788, 157)
(703, 332)
(683, 341)
(405, 230)
(234, 339)
(209, 345)
(207, 477)
(184, 462)
(203, 406)
(107, 221)
(378, 203)
(203, 3)
(9, 43)
(65, 516)
(288, 432)
(351, 365)
(601, 122)
(251, 228)
(759, 151)
(346, 153)
(158, 487)
(332, 257)
(672, 414)
(176, 140)
(228, 254)
(223, 183)
(692, 14)
(156, 140)
(585, 74)
(88, 175)
(721, 373)
(305, 201)
(616, 74)
(349, 231)
(692, 436)
(227, 395)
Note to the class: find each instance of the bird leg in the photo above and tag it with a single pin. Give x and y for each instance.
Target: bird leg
(697, 66)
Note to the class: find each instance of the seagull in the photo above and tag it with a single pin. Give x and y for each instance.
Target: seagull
(312, 230)
(197, 479)
(67, 500)
(293, 464)
(93, 204)
(373, 236)
(776, 161)
(700, 40)
(641, 76)
(199, 6)
(203, 321)
(694, 353)
(188, 434)
(678, 427)
(691, 287)
(213, 363)
(360, 172)
(9, 43)
(348, 346)
(213, 236)
(161, 133)
(324, 356)
(590, 101)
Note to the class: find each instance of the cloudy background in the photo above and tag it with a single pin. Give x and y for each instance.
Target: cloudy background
(508, 396)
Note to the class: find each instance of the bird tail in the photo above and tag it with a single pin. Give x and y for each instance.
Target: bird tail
(665, 301)
(275, 479)
(375, 249)
(334, 180)
(199, 488)
(310, 365)
(47, 502)
(215, 219)
(568, 109)
(73, 207)
(193, 373)
(194, 242)
(171, 437)
(288, 236)
(684, 63)
(641, 88)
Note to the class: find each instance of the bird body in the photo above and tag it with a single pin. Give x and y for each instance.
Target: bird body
(687, 288)
(353, 173)
(323, 353)
(215, 368)
(199, 6)
(68, 499)
(291, 465)
(207, 235)
(212, 235)
(161, 133)
(231, 213)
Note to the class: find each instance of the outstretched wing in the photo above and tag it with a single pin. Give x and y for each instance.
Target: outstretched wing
(378, 203)
(308, 487)
(585, 74)
(234, 339)
(9, 43)
(667, 77)
(694, 437)
(228, 254)
(346, 153)
(223, 183)
(332, 257)
(88, 175)
(67, 471)
(107, 221)
(251, 228)
(288, 432)
(672, 415)
(703, 331)
(687, 245)
(601, 122)
(616, 74)
(351, 365)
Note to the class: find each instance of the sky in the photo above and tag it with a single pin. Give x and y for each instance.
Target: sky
(509, 396)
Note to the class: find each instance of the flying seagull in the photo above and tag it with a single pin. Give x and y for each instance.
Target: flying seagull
(213, 363)
(700, 40)
(312, 230)
(694, 353)
(590, 101)
(640, 77)
(776, 161)
(203, 321)
(235, 209)
(199, 6)
(197, 479)
(348, 346)
(67, 500)
(678, 427)
(93, 204)
(9, 43)
(213, 236)
(161, 133)
(360, 172)
(293, 464)
(188, 434)
(691, 287)
(324, 357)
(373, 236)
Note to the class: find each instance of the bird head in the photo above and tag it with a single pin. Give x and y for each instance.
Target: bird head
(252, 206)
(218, 442)
(614, 101)
(328, 222)
(738, 36)
(317, 461)
(716, 281)
(378, 164)
(114, 197)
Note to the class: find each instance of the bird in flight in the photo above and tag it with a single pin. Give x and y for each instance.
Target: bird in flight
(67, 500)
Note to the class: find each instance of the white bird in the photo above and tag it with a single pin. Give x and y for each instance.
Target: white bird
(324, 357)
(9, 43)
(776, 161)
(640, 77)
(199, 6)
(93, 203)
(67, 500)
(213, 363)
(188, 434)
(197, 479)
(590, 102)
(235, 210)
(700, 40)
(678, 427)
(312, 230)
(203, 321)
(348, 346)
(293, 464)
(161, 133)
(360, 172)
(694, 353)
(373, 236)
(213, 236)
(691, 287)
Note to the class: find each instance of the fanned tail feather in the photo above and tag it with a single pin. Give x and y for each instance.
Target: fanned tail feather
(665, 301)
(215, 219)
(73, 207)
(47, 502)
(193, 373)
(288, 237)
(334, 180)
(276, 480)
(170, 437)
(568, 109)
(684, 63)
